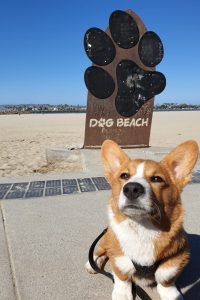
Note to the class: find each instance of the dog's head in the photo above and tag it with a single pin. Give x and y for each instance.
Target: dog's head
(146, 188)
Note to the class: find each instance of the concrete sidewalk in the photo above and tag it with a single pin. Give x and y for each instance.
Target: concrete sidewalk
(45, 242)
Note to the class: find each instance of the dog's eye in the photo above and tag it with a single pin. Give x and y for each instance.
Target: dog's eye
(125, 176)
(156, 179)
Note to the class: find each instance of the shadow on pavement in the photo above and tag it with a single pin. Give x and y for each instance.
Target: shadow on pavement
(191, 275)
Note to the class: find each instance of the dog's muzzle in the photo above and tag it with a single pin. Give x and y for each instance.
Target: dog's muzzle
(134, 199)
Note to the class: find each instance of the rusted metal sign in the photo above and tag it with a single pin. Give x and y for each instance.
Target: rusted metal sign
(122, 81)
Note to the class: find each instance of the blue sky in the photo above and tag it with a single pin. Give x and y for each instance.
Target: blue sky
(42, 59)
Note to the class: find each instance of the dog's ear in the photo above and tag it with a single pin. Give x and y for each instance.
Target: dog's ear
(113, 157)
(181, 160)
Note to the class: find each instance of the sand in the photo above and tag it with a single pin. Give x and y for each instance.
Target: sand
(25, 138)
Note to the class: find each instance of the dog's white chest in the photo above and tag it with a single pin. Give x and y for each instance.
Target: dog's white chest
(136, 241)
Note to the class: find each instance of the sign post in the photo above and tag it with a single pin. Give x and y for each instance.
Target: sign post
(122, 81)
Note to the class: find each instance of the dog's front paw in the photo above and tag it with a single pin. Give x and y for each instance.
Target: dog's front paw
(122, 295)
(122, 291)
(99, 260)
(169, 293)
(89, 268)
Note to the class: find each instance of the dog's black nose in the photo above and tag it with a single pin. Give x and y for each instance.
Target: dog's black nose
(133, 190)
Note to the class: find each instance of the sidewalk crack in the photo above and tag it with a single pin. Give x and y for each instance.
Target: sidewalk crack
(11, 263)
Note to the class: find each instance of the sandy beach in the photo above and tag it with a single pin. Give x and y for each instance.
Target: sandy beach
(25, 138)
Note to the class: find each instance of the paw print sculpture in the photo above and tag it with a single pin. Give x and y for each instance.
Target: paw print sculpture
(124, 61)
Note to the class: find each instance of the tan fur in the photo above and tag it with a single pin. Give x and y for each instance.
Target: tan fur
(110, 247)
(171, 247)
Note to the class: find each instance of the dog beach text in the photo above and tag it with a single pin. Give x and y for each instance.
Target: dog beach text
(120, 122)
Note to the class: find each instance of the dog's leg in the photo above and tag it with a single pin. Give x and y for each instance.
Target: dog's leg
(165, 278)
(169, 292)
(122, 289)
(166, 275)
(123, 269)
(99, 257)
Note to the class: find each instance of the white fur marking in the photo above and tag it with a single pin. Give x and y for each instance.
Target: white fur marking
(139, 177)
(125, 265)
(139, 171)
(122, 290)
(169, 293)
(145, 201)
(165, 274)
(136, 240)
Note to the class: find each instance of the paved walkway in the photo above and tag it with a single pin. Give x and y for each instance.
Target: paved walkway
(45, 240)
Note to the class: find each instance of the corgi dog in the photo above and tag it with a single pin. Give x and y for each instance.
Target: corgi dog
(145, 241)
